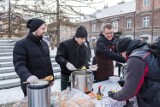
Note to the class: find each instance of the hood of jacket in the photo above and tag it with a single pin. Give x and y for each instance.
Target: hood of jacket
(135, 44)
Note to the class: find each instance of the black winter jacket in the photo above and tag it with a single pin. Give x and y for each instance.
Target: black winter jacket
(70, 51)
(102, 48)
(31, 57)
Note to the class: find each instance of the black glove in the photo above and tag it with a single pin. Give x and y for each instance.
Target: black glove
(111, 94)
(121, 82)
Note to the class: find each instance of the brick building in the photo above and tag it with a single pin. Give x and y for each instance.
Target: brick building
(147, 19)
(135, 19)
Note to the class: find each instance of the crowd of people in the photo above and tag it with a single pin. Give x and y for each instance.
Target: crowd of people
(32, 62)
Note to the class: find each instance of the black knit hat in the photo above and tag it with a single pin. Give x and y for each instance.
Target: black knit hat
(123, 44)
(34, 24)
(81, 32)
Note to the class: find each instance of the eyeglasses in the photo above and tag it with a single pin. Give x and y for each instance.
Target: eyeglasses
(111, 33)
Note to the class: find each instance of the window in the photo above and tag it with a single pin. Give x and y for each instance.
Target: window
(1, 27)
(145, 22)
(129, 23)
(146, 2)
(102, 25)
(145, 37)
(93, 27)
(115, 25)
(93, 39)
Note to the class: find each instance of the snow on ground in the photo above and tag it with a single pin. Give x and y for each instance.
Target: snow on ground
(10, 95)
(53, 52)
(16, 94)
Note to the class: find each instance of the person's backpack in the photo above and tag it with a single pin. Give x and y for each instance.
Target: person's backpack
(155, 49)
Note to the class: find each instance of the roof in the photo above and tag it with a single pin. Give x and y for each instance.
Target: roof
(123, 8)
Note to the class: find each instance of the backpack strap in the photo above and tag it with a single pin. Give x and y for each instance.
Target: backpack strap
(147, 63)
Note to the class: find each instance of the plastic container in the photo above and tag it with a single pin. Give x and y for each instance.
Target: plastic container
(55, 101)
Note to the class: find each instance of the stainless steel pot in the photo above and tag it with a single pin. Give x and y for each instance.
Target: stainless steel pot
(82, 80)
(39, 94)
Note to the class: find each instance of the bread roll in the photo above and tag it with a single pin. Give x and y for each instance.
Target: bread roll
(72, 104)
(84, 103)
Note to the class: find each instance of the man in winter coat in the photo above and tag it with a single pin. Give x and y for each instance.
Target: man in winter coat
(72, 54)
(142, 74)
(31, 56)
(105, 54)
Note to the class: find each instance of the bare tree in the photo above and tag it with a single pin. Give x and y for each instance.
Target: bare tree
(56, 12)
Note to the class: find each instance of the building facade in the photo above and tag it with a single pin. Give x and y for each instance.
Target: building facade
(136, 19)
(147, 19)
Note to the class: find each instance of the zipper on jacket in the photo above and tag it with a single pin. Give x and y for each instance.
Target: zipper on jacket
(45, 74)
(77, 56)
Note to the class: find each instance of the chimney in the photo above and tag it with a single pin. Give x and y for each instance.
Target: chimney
(106, 6)
(121, 2)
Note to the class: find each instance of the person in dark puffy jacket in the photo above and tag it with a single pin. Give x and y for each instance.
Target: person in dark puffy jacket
(72, 55)
(31, 56)
(142, 74)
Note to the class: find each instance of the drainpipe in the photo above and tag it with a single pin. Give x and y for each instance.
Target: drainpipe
(134, 29)
(152, 33)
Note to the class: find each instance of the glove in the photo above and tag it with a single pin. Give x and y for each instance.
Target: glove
(32, 79)
(121, 82)
(93, 67)
(111, 94)
(70, 66)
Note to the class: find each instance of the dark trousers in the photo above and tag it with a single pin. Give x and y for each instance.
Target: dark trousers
(24, 88)
(65, 82)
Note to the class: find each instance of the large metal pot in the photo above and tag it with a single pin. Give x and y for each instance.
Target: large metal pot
(82, 80)
(39, 94)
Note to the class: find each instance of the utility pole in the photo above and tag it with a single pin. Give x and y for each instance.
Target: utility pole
(58, 24)
(9, 21)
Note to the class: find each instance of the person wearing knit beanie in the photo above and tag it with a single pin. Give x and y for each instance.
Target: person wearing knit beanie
(81, 35)
(123, 44)
(34, 23)
(72, 54)
(31, 55)
(81, 32)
